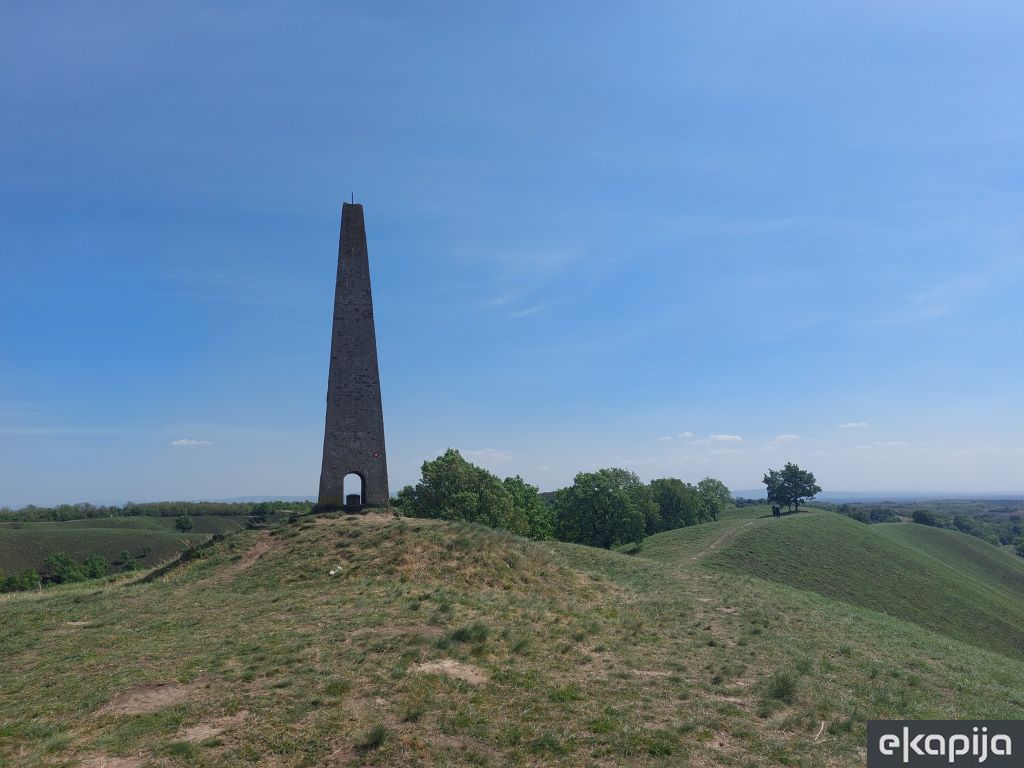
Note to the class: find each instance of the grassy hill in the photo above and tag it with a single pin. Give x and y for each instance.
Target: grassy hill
(943, 580)
(27, 545)
(444, 644)
(998, 566)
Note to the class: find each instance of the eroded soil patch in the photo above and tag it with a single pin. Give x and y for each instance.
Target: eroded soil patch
(456, 669)
(212, 728)
(109, 761)
(151, 698)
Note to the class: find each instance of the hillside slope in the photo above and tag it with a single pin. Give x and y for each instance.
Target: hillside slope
(149, 539)
(998, 566)
(443, 644)
(942, 580)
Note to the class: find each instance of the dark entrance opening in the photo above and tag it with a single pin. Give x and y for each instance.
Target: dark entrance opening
(355, 491)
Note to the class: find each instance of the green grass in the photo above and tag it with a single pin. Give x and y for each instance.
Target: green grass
(946, 581)
(27, 545)
(630, 660)
(690, 544)
(975, 558)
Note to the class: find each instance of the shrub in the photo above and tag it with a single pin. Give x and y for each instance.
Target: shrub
(95, 566)
(337, 687)
(476, 632)
(374, 738)
(24, 581)
(781, 686)
(63, 570)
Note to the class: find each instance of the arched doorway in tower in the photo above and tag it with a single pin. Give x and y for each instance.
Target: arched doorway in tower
(355, 490)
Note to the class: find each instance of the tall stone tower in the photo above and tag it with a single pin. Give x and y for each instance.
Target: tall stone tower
(354, 432)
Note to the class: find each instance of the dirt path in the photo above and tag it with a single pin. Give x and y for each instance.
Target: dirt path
(248, 560)
(718, 540)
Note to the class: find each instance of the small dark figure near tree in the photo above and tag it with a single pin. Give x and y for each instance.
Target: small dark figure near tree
(776, 510)
(791, 485)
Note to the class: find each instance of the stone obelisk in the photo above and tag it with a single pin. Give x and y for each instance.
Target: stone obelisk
(354, 432)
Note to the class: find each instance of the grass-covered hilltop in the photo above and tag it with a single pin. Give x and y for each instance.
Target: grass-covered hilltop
(381, 640)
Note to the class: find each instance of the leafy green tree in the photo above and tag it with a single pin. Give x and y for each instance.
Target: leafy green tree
(24, 581)
(63, 570)
(791, 485)
(95, 566)
(923, 517)
(640, 497)
(452, 488)
(604, 508)
(540, 517)
(715, 495)
(183, 523)
(1019, 546)
(679, 503)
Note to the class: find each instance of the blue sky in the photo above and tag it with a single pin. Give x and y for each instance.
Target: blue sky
(684, 238)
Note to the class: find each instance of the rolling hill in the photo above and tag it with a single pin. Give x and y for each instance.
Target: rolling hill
(943, 580)
(378, 641)
(150, 539)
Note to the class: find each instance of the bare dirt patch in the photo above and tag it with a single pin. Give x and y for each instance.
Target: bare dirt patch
(462, 744)
(734, 700)
(109, 761)
(456, 669)
(151, 698)
(213, 728)
(368, 517)
(396, 630)
(248, 560)
(651, 672)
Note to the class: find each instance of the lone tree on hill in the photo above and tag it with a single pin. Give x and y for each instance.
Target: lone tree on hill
(791, 485)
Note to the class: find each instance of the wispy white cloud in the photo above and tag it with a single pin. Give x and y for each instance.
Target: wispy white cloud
(188, 443)
(722, 439)
(487, 454)
(942, 298)
(889, 443)
(852, 425)
(685, 435)
(528, 311)
(786, 438)
(665, 437)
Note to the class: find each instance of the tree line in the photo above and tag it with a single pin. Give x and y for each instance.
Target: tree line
(61, 568)
(605, 508)
(64, 512)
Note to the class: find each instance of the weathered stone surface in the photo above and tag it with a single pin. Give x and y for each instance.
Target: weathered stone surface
(354, 431)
